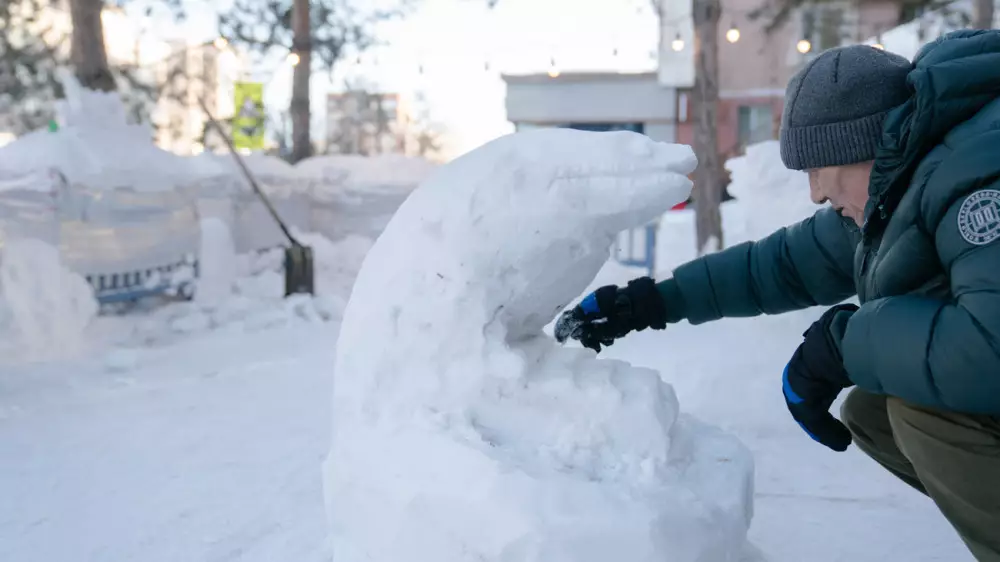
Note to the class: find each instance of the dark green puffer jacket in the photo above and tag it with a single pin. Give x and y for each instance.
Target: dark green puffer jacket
(926, 265)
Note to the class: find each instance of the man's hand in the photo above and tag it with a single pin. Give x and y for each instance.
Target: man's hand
(815, 376)
(611, 312)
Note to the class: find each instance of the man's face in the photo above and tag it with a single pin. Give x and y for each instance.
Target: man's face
(845, 187)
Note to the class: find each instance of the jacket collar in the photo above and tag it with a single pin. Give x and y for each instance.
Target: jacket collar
(952, 79)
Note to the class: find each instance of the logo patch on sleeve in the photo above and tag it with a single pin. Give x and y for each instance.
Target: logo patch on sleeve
(979, 217)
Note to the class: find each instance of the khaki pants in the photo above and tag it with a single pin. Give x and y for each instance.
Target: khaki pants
(953, 458)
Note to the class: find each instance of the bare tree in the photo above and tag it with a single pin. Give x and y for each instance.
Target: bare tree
(775, 13)
(982, 14)
(317, 32)
(302, 48)
(90, 60)
(31, 49)
(428, 142)
(709, 176)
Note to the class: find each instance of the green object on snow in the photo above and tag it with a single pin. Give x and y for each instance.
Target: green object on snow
(53, 126)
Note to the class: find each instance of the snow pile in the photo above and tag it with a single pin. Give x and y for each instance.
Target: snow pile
(769, 194)
(462, 433)
(365, 172)
(216, 260)
(97, 147)
(48, 307)
(260, 165)
(246, 293)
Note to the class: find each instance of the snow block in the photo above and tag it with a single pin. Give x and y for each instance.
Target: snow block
(462, 433)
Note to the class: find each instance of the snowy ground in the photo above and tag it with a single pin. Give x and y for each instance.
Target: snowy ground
(205, 442)
(211, 449)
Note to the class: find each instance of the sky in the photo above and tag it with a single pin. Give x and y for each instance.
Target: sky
(453, 41)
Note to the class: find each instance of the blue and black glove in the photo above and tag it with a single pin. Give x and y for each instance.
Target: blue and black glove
(611, 312)
(816, 375)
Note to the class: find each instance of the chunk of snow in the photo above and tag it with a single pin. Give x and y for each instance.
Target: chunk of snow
(769, 194)
(462, 433)
(49, 306)
(216, 262)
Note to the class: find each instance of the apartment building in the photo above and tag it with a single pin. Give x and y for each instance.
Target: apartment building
(367, 123)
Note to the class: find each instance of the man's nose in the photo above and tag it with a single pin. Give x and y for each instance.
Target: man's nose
(814, 192)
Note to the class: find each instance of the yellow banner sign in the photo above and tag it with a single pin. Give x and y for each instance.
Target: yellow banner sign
(248, 122)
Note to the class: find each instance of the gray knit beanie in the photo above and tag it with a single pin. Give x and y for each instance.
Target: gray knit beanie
(835, 106)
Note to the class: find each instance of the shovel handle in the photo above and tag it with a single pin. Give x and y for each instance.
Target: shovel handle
(246, 173)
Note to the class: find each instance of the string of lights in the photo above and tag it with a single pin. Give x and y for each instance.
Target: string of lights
(733, 35)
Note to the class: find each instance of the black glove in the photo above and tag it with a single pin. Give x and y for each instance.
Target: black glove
(816, 375)
(611, 312)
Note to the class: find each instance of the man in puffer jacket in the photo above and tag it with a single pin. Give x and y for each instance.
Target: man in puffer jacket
(908, 156)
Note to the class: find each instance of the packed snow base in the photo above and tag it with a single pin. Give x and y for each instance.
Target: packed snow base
(463, 433)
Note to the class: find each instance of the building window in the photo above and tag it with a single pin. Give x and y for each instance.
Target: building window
(755, 124)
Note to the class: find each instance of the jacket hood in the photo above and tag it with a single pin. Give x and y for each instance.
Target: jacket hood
(952, 79)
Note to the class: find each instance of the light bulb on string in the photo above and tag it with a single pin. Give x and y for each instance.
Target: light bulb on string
(878, 43)
(293, 59)
(677, 44)
(803, 46)
(553, 69)
(733, 35)
(221, 43)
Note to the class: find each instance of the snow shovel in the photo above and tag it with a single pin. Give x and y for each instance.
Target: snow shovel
(299, 275)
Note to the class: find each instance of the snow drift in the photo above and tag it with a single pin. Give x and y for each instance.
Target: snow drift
(463, 433)
(769, 194)
(47, 306)
(384, 171)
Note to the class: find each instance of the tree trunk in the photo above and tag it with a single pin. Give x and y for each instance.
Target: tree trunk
(982, 14)
(708, 178)
(90, 60)
(299, 109)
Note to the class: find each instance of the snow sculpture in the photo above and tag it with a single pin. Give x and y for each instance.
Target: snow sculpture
(461, 432)
(98, 148)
